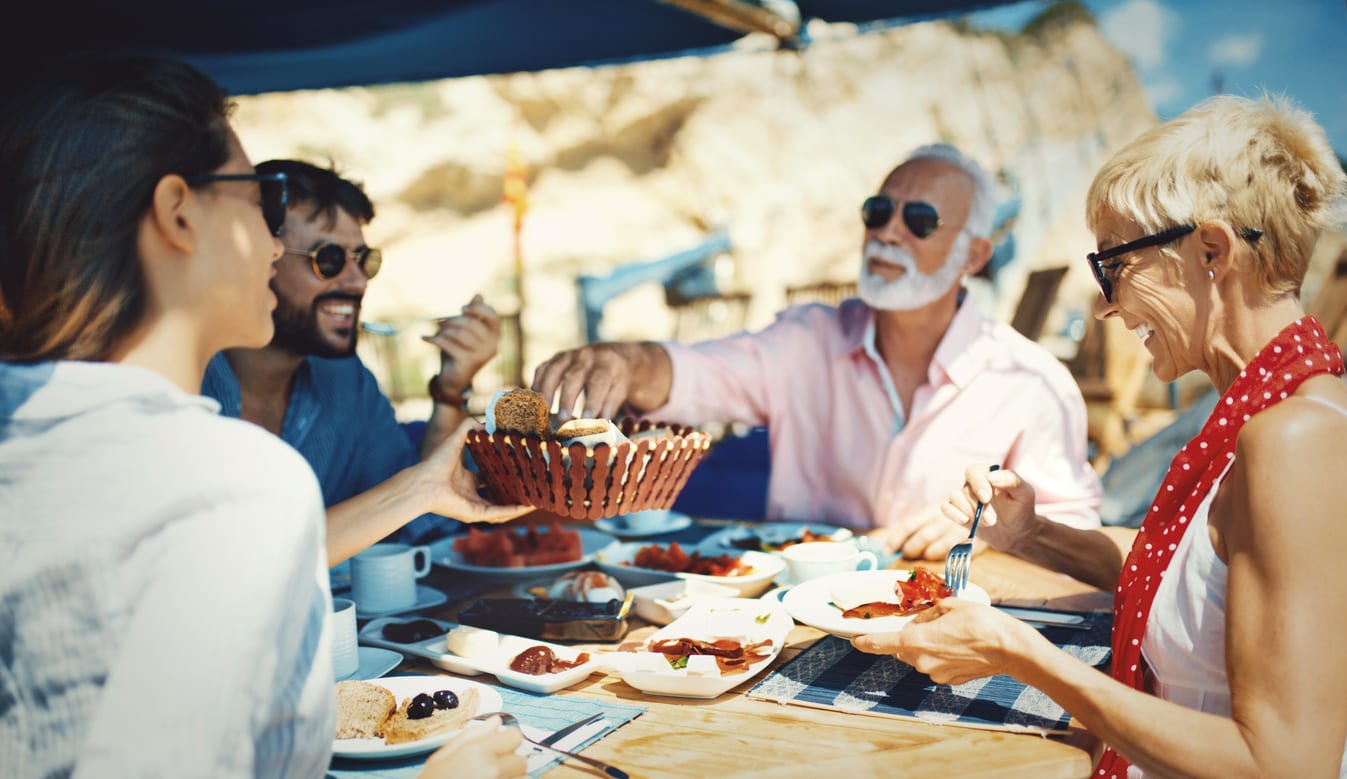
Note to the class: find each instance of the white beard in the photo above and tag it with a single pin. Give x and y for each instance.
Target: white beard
(913, 289)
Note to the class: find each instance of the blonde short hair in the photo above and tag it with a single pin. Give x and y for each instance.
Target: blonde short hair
(1253, 163)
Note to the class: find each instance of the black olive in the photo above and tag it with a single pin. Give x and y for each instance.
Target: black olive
(445, 699)
(411, 632)
(420, 707)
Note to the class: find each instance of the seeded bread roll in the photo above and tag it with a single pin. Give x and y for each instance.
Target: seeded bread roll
(523, 411)
(399, 729)
(362, 709)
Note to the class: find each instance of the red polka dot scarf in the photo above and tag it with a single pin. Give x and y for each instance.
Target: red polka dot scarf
(1300, 351)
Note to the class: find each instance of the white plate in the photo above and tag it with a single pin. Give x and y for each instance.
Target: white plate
(663, 603)
(615, 525)
(709, 619)
(616, 561)
(374, 662)
(812, 602)
(436, 651)
(771, 534)
(443, 554)
(426, 597)
(488, 700)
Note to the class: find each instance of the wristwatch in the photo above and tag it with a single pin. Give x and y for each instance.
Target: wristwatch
(459, 401)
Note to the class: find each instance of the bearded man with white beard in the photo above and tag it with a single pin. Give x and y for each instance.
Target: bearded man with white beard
(874, 408)
(308, 387)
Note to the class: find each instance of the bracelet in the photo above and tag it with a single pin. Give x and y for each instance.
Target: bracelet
(439, 396)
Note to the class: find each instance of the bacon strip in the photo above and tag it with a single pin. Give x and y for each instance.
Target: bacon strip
(731, 656)
(918, 593)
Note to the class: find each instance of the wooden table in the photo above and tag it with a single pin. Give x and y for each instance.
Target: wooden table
(734, 736)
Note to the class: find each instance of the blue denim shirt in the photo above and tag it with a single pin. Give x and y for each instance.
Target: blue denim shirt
(343, 425)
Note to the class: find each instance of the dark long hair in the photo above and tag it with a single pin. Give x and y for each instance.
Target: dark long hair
(82, 147)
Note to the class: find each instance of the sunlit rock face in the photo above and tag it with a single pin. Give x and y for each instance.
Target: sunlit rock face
(634, 162)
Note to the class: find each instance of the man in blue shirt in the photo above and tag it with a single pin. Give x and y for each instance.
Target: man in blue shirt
(308, 387)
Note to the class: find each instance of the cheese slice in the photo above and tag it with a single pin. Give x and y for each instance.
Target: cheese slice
(849, 595)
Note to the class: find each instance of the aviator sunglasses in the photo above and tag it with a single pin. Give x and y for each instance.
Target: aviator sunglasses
(329, 259)
(274, 195)
(920, 217)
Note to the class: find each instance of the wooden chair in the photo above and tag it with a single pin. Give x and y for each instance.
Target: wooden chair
(1330, 304)
(830, 292)
(1040, 292)
(711, 316)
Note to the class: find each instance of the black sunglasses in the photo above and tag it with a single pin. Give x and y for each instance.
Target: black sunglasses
(329, 260)
(275, 197)
(920, 217)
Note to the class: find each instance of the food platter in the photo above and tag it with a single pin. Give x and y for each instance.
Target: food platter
(813, 602)
(443, 554)
(497, 664)
(745, 620)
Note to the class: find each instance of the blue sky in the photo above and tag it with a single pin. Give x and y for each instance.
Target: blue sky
(1181, 47)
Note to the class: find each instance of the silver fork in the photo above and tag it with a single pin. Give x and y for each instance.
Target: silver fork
(960, 555)
(509, 719)
(384, 328)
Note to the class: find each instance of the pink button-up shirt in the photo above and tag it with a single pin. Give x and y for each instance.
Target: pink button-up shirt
(843, 452)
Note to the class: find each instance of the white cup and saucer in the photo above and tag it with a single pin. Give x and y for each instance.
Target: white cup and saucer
(383, 580)
(813, 559)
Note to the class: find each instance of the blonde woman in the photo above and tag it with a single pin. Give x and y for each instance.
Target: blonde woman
(1228, 631)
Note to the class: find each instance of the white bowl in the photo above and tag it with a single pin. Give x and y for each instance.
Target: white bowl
(661, 604)
(616, 560)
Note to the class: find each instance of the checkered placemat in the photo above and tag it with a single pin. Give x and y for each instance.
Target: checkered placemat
(833, 675)
(549, 712)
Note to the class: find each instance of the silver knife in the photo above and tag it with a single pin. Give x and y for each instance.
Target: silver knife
(1055, 618)
(571, 728)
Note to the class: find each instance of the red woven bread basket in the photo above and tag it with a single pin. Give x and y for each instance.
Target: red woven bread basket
(645, 473)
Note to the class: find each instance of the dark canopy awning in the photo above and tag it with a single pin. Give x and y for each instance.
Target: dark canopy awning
(270, 45)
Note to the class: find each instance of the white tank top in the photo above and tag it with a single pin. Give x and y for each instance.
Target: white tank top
(1184, 643)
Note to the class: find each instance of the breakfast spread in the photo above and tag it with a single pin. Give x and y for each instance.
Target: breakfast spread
(366, 710)
(503, 547)
(915, 594)
(674, 559)
(539, 660)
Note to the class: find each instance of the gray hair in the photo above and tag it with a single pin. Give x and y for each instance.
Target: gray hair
(982, 210)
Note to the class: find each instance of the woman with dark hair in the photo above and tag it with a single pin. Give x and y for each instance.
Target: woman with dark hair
(1227, 622)
(163, 589)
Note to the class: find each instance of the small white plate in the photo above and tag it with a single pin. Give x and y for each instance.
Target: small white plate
(616, 560)
(615, 525)
(743, 619)
(374, 662)
(437, 652)
(488, 700)
(771, 535)
(426, 597)
(812, 602)
(661, 604)
(443, 554)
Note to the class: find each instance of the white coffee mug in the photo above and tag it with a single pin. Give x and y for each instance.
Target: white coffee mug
(383, 577)
(345, 651)
(813, 559)
(643, 521)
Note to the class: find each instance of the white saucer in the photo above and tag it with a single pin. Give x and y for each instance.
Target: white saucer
(426, 597)
(374, 662)
(615, 526)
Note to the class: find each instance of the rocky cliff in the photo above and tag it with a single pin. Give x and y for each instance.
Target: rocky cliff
(634, 162)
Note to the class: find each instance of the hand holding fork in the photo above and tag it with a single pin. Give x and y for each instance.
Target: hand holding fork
(959, 559)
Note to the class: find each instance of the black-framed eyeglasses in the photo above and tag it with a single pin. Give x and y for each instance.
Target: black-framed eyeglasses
(1103, 270)
(329, 259)
(920, 217)
(275, 196)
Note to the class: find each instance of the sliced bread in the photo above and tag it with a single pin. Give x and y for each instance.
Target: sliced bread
(362, 709)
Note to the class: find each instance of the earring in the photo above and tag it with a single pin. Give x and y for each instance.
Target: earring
(1211, 275)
